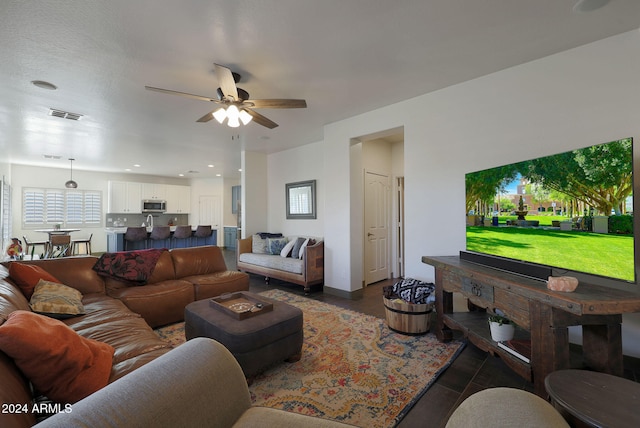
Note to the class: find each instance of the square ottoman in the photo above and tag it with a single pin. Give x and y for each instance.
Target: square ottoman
(257, 342)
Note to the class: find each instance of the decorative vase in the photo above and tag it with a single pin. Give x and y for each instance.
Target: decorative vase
(501, 332)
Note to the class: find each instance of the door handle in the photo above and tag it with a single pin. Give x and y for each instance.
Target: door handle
(369, 234)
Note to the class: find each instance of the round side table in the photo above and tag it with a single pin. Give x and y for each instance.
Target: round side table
(593, 399)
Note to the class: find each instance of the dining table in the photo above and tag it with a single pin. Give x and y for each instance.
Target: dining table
(54, 249)
(56, 231)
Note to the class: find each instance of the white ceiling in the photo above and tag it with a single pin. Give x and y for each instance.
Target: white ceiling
(343, 57)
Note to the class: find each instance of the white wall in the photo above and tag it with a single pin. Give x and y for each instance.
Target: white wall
(573, 99)
(254, 193)
(290, 166)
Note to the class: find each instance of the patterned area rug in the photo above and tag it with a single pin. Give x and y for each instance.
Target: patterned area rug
(353, 368)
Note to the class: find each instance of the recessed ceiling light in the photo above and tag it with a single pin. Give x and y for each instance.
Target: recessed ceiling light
(128, 169)
(44, 85)
(180, 175)
(589, 5)
(210, 166)
(218, 175)
(239, 169)
(136, 165)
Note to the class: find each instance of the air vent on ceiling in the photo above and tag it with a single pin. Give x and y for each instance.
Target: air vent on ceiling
(52, 156)
(64, 114)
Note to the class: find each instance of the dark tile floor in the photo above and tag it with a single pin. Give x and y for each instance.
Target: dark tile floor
(472, 371)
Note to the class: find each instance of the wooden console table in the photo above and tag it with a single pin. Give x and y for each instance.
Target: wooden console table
(544, 314)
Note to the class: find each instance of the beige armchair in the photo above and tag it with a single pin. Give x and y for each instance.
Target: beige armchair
(198, 384)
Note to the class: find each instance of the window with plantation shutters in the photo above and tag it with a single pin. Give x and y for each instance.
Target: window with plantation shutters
(66, 207)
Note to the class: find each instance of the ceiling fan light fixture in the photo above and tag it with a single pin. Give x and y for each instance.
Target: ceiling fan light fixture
(245, 117)
(71, 184)
(233, 114)
(220, 115)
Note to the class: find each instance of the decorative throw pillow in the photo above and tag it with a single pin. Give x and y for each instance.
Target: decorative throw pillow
(302, 247)
(60, 363)
(275, 245)
(26, 276)
(56, 300)
(295, 253)
(286, 251)
(258, 244)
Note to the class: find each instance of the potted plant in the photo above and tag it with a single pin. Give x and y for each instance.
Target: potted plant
(502, 328)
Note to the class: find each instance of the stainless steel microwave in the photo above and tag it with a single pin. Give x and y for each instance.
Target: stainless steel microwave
(154, 206)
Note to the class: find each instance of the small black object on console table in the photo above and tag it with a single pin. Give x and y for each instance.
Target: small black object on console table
(545, 314)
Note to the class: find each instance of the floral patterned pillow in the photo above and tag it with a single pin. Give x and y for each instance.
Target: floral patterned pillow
(275, 245)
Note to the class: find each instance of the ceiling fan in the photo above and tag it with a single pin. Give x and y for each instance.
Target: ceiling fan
(235, 104)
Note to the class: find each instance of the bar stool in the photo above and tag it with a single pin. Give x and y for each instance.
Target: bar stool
(160, 233)
(29, 245)
(202, 232)
(133, 235)
(58, 246)
(182, 234)
(81, 241)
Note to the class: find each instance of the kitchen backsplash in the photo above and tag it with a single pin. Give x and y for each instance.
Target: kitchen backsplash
(124, 220)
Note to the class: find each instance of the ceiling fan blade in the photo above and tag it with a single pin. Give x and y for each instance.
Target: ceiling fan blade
(207, 117)
(260, 119)
(278, 103)
(182, 94)
(226, 81)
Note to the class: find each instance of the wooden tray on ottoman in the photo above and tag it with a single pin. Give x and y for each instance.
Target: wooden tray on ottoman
(240, 305)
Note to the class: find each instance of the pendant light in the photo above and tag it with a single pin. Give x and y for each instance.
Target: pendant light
(71, 184)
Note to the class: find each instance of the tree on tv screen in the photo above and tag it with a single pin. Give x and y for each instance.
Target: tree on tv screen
(600, 176)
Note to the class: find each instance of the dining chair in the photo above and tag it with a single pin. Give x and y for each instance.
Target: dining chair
(30, 246)
(81, 241)
(58, 246)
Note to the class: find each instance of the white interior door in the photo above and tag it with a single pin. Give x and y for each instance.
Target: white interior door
(376, 227)
(210, 212)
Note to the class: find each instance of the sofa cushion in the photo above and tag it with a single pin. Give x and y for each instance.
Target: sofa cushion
(60, 363)
(215, 284)
(159, 303)
(26, 276)
(56, 300)
(75, 272)
(286, 264)
(197, 261)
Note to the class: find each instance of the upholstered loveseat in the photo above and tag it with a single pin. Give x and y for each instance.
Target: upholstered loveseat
(113, 319)
(299, 260)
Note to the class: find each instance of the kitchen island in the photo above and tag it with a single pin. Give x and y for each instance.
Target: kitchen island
(115, 240)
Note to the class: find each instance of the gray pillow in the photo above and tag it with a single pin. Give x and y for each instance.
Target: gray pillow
(258, 245)
(295, 253)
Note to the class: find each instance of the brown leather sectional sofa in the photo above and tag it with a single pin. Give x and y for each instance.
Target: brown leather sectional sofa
(118, 314)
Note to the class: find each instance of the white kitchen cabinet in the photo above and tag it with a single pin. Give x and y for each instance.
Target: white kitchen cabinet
(178, 199)
(124, 197)
(154, 191)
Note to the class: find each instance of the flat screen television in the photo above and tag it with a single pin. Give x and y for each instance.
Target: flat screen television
(565, 214)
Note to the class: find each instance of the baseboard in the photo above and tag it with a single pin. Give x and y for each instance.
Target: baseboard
(352, 295)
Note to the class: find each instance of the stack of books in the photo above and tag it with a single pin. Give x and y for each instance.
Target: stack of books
(518, 348)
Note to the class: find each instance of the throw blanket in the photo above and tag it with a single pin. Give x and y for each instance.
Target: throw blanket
(414, 291)
(134, 267)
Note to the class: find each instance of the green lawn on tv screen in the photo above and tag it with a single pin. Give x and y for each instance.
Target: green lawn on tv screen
(600, 254)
